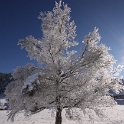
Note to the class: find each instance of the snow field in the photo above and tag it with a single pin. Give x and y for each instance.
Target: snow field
(116, 115)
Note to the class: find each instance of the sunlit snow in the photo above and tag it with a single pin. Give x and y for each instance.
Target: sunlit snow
(30, 80)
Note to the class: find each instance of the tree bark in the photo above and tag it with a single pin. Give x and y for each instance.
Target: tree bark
(58, 116)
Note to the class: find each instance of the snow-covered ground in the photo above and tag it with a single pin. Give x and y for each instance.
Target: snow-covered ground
(116, 115)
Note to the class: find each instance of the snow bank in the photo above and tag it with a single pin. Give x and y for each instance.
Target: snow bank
(29, 83)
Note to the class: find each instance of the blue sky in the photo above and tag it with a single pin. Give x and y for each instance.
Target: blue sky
(18, 19)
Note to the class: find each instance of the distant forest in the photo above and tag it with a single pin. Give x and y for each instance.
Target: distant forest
(5, 79)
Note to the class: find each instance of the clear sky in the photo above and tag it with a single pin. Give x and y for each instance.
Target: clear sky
(18, 19)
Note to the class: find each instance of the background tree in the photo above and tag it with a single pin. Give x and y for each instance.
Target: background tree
(5, 79)
(63, 79)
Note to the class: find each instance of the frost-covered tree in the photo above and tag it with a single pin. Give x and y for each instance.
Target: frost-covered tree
(64, 79)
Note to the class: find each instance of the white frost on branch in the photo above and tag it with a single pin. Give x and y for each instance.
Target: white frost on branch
(117, 71)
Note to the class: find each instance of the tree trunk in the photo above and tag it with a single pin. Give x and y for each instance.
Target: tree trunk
(58, 105)
(58, 116)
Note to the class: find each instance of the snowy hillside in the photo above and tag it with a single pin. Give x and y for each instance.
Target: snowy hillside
(115, 114)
